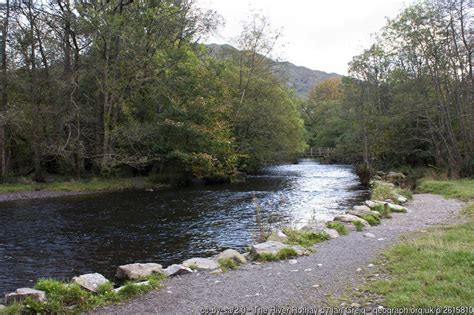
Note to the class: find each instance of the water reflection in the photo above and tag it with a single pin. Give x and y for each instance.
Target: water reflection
(63, 237)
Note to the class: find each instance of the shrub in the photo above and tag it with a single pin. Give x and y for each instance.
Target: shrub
(359, 225)
(371, 219)
(282, 254)
(305, 238)
(227, 264)
(383, 210)
(338, 226)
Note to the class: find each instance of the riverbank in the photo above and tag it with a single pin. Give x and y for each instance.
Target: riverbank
(317, 280)
(440, 259)
(31, 190)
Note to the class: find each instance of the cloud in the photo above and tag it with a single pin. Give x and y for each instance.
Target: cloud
(322, 35)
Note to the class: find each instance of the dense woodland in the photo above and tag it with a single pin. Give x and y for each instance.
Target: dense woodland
(125, 87)
(408, 99)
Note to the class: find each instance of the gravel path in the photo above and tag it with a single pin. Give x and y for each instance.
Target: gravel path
(331, 271)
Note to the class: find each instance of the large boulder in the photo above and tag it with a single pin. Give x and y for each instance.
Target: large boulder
(90, 281)
(273, 247)
(201, 264)
(231, 254)
(349, 218)
(362, 211)
(176, 270)
(138, 271)
(23, 293)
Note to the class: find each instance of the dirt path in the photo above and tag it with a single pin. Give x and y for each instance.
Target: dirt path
(329, 272)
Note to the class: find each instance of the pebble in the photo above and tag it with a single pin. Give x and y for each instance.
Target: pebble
(308, 269)
(359, 269)
(355, 305)
(293, 261)
(294, 270)
(380, 239)
(370, 265)
(217, 281)
(169, 292)
(320, 265)
(370, 235)
(315, 285)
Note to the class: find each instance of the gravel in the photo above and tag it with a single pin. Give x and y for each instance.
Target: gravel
(338, 265)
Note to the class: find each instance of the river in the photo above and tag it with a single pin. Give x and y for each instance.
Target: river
(63, 237)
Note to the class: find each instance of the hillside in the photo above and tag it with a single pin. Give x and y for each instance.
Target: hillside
(300, 78)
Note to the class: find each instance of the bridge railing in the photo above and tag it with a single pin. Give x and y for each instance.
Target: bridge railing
(319, 152)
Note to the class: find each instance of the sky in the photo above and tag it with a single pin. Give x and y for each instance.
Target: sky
(318, 34)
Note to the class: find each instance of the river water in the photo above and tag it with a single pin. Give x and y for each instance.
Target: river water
(64, 237)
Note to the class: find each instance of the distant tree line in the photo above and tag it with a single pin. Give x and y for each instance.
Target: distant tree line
(408, 99)
(121, 87)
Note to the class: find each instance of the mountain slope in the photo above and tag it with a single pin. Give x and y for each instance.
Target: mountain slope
(299, 78)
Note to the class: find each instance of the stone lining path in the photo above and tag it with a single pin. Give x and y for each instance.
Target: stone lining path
(331, 271)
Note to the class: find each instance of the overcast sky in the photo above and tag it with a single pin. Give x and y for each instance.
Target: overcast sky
(319, 34)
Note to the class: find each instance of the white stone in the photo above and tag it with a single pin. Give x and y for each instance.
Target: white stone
(362, 211)
(277, 236)
(176, 270)
(331, 232)
(201, 264)
(355, 305)
(319, 265)
(138, 271)
(400, 198)
(292, 261)
(23, 293)
(136, 283)
(359, 269)
(370, 265)
(308, 270)
(380, 239)
(90, 281)
(232, 254)
(273, 247)
(370, 235)
(349, 218)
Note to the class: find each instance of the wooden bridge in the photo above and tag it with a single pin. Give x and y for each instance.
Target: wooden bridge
(319, 152)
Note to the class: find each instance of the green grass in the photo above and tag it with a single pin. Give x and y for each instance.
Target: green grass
(384, 211)
(227, 264)
(338, 226)
(304, 238)
(461, 189)
(383, 192)
(284, 253)
(70, 298)
(437, 268)
(371, 219)
(94, 184)
(359, 225)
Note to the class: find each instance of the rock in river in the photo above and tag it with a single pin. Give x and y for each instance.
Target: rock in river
(90, 281)
(138, 271)
(201, 263)
(23, 293)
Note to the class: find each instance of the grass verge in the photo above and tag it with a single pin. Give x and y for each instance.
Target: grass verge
(227, 264)
(461, 189)
(70, 298)
(437, 267)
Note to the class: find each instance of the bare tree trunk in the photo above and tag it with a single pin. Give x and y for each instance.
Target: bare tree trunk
(3, 127)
